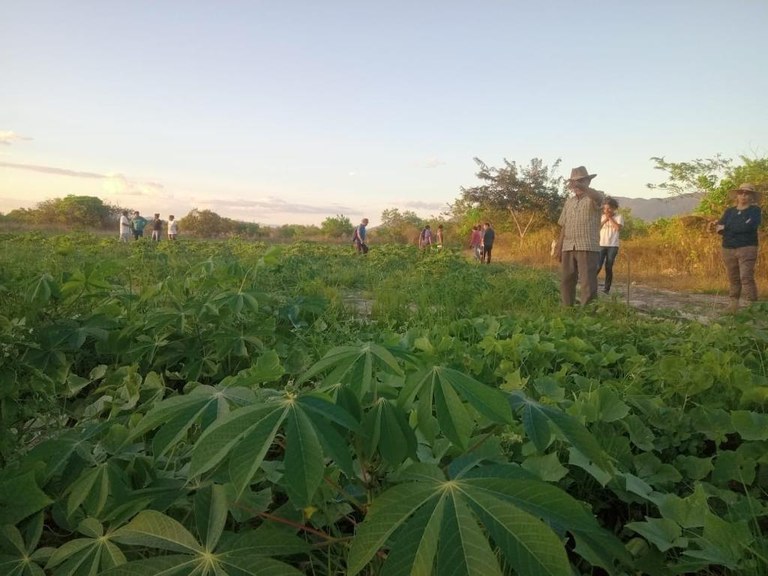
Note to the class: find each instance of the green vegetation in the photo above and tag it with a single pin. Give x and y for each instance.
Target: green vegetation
(228, 407)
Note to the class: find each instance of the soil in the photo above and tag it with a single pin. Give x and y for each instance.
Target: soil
(657, 301)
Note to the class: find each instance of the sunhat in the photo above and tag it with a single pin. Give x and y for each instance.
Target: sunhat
(746, 187)
(580, 173)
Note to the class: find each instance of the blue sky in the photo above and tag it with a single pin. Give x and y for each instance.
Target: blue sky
(292, 111)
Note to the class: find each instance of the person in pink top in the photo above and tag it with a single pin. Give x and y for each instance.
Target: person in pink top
(476, 241)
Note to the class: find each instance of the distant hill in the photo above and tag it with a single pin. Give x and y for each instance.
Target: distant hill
(650, 209)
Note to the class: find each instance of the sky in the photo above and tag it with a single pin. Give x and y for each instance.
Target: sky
(292, 111)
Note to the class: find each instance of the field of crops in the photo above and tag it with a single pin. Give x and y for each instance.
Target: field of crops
(233, 408)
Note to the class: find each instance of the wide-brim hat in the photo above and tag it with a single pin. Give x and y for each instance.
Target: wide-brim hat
(580, 173)
(751, 189)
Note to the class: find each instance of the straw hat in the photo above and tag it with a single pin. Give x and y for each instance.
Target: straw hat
(751, 189)
(580, 173)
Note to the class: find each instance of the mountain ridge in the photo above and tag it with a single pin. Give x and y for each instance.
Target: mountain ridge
(650, 209)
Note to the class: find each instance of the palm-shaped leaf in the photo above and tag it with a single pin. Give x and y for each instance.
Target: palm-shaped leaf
(354, 366)
(444, 526)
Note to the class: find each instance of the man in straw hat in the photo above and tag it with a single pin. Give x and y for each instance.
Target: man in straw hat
(738, 227)
(579, 250)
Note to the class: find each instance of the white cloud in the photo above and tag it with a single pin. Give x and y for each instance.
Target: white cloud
(8, 137)
(431, 162)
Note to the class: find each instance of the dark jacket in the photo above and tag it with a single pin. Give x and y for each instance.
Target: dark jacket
(740, 226)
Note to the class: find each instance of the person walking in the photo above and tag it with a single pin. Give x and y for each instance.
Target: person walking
(580, 238)
(489, 236)
(359, 236)
(738, 226)
(125, 227)
(611, 223)
(440, 236)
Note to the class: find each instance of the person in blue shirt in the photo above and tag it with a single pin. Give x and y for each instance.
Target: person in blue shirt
(358, 238)
(488, 238)
(738, 227)
(138, 223)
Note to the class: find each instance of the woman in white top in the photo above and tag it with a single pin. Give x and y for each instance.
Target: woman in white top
(611, 223)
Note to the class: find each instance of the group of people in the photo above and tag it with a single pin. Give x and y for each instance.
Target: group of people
(134, 226)
(589, 239)
(481, 242)
(427, 239)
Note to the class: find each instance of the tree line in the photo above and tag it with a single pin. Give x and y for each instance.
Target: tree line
(517, 198)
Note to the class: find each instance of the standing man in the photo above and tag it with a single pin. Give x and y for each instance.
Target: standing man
(125, 227)
(488, 237)
(580, 238)
(138, 223)
(358, 238)
(157, 228)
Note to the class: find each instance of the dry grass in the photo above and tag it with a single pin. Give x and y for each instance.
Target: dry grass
(688, 263)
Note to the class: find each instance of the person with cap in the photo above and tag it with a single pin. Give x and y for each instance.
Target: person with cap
(358, 238)
(738, 226)
(579, 243)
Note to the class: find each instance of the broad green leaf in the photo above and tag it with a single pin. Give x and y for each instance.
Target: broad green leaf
(171, 565)
(303, 458)
(490, 402)
(464, 549)
(388, 512)
(21, 497)
(722, 542)
(389, 433)
(536, 426)
(220, 438)
(455, 422)
(527, 543)
(210, 514)
(320, 405)
(417, 542)
(548, 467)
(248, 454)
(662, 533)
(750, 425)
(536, 415)
(156, 530)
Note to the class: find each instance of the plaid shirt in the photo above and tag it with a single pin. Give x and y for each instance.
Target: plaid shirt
(580, 220)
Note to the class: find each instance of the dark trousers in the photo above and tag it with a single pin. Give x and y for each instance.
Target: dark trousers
(487, 254)
(607, 256)
(740, 264)
(578, 266)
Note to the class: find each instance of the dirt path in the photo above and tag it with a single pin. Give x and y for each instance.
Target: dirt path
(698, 307)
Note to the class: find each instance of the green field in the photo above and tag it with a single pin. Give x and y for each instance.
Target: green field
(235, 408)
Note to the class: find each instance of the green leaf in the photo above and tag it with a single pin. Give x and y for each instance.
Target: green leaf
(464, 550)
(389, 511)
(662, 533)
(490, 402)
(455, 422)
(548, 467)
(247, 455)
(750, 425)
(21, 497)
(171, 565)
(417, 542)
(210, 514)
(303, 458)
(220, 438)
(156, 530)
(527, 543)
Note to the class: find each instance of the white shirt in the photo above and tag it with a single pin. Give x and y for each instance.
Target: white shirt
(609, 231)
(125, 224)
(173, 227)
